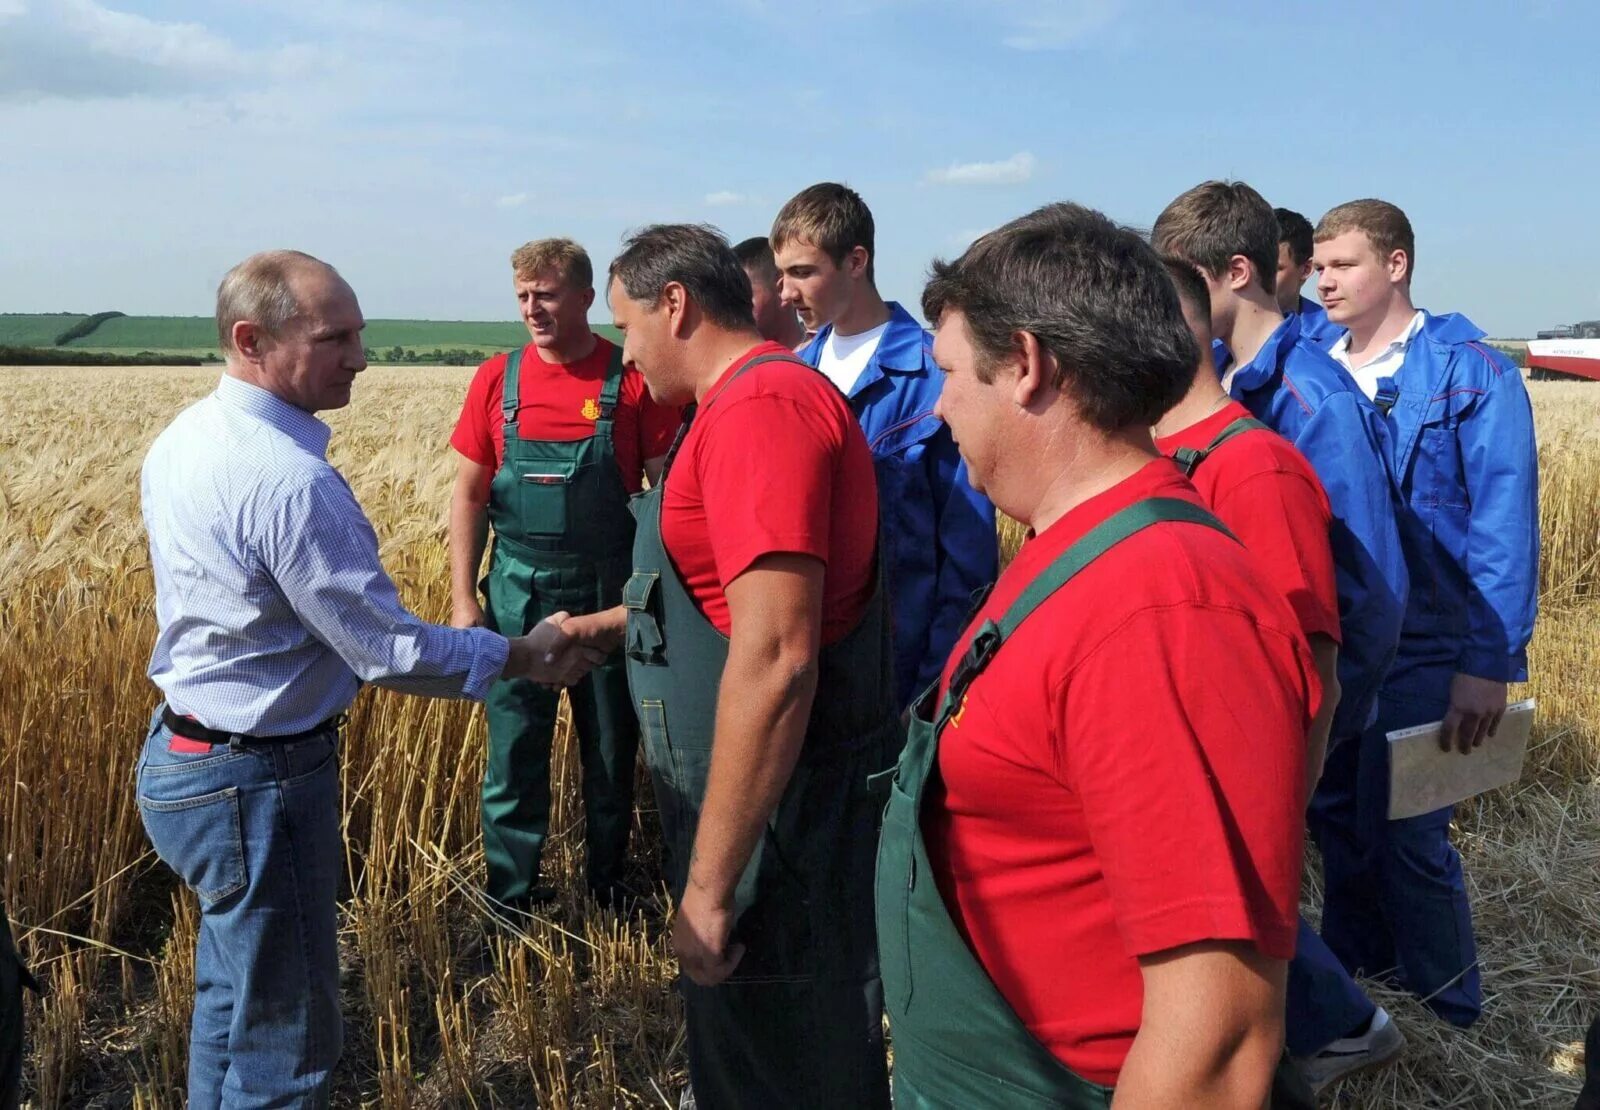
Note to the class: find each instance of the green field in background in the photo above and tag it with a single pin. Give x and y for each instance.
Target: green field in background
(35, 329)
(196, 335)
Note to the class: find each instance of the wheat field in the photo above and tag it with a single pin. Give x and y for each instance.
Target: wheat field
(579, 1012)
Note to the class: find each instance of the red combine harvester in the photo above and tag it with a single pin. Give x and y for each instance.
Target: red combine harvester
(1566, 353)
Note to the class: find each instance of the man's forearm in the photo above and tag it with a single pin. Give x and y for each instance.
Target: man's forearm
(762, 710)
(1173, 1072)
(469, 535)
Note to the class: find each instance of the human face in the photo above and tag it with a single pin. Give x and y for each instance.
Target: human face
(1354, 282)
(1290, 279)
(314, 361)
(813, 285)
(648, 345)
(556, 313)
(766, 298)
(973, 409)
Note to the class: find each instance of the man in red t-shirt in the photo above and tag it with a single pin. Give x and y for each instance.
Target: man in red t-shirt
(1267, 494)
(1113, 785)
(757, 647)
(553, 439)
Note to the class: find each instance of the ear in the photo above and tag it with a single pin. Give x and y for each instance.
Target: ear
(1399, 266)
(1033, 366)
(1240, 274)
(1305, 270)
(588, 298)
(675, 303)
(247, 340)
(856, 261)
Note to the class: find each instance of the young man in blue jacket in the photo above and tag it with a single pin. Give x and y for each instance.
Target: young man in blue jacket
(1230, 234)
(939, 537)
(1461, 433)
(1294, 267)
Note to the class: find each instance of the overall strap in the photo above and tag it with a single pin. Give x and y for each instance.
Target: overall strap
(613, 384)
(1387, 394)
(510, 397)
(991, 635)
(690, 409)
(1190, 458)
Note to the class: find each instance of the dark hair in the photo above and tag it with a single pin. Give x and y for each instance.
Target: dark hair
(831, 217)
(1094, 295)
(755, 255)
(1215, 221)
(1191, 287)
(1294, 229)
(696, 256)
(1385, 226)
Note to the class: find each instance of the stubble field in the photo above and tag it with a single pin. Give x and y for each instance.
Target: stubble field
(579, 1012)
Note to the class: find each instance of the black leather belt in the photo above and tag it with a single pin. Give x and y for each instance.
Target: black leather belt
(194, 730)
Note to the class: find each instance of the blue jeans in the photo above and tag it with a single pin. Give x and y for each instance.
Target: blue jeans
(254, 832)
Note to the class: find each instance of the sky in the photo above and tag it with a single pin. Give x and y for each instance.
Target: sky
(146, 147)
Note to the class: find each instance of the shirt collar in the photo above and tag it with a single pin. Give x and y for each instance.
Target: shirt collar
(1400, 344)
(296, 423)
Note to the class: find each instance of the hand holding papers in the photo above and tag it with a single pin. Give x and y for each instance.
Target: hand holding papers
(1422, 778)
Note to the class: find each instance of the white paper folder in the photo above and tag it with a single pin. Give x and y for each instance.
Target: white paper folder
(1422, 778)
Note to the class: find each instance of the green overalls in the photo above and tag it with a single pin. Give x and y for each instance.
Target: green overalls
(799, 1024)
(957, 1042)
(563, 539)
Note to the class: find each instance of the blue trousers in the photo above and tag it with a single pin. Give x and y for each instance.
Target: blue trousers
(1396, 904)
(1324, 1002)
(254, 832)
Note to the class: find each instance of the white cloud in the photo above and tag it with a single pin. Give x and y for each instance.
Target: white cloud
(1012, 171)
(724, 198)
(511, 200)
(84, 50)
(964, 238)
(1055, 24)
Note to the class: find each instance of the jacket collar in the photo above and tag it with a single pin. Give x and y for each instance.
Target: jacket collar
(1450, 328)
(1261, 369)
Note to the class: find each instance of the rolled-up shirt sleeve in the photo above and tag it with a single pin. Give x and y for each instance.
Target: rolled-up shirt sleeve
(322, 553)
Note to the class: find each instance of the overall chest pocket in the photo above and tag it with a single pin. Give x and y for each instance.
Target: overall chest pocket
(544, 493)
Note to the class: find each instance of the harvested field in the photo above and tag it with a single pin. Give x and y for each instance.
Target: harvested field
(581, 1012)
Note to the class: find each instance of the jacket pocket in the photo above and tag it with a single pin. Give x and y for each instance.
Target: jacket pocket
(641, 597)
(542, 498)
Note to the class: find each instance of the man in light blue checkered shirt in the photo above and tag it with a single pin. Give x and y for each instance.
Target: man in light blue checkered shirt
(272, 609)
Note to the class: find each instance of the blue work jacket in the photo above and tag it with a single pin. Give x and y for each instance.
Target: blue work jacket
(1315, 327)
(939, 540)
(1461, 429)
(1309, 399)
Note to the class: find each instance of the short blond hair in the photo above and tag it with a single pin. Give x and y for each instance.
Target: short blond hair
(259, 290)
(562, 256)
(1385, 226)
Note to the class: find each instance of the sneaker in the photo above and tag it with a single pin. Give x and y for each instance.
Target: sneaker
(1380, 1044)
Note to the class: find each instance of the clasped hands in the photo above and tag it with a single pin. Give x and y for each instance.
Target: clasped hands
(561, 649)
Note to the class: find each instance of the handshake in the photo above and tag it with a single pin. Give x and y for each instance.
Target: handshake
(561, 649)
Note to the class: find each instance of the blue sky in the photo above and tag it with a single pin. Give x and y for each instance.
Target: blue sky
(146, 147)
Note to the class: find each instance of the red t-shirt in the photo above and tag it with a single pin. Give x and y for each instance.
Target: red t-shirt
(1268, 495)
(774, 462)
(561, 402)
(1126, 776)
